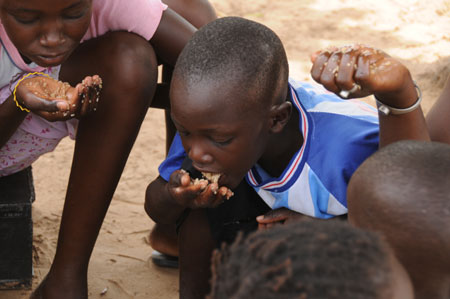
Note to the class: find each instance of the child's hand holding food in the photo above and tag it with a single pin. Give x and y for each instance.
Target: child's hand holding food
(55, 100)
(358, 71)
(197, 193)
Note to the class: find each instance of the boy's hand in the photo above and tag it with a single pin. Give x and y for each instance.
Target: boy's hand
(358, 71)
(279, 216)
(55, 100)
(199, 195)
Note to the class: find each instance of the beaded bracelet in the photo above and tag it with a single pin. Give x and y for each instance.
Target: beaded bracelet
(15, 88)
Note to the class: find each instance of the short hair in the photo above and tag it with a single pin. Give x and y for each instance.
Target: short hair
(236, 49)
(307, 259)
(403, 192)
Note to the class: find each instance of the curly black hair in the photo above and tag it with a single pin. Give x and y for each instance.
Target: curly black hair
(307, 259)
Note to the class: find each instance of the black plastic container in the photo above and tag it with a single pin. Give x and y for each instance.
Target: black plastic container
(16, 230)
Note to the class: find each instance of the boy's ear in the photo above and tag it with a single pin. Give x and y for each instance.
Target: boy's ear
(279, 116)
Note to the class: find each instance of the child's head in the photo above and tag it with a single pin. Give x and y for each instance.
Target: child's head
(228, 95)
(45, 31)
(403, 191)
(309, 259)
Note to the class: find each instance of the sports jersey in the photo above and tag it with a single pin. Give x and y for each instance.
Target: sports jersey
(338, 136)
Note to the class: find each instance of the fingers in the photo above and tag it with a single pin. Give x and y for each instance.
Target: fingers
(363, 71)
(347, 66)
(89, 93)
(319, 63)
(345, 70)
(271, 217)
(212, 196)
(278, 216)
(198, 193)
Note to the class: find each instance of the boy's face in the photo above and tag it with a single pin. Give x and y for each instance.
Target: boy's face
(45, 31)
(218, 135)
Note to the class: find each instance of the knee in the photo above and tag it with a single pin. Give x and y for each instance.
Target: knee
(135, 66)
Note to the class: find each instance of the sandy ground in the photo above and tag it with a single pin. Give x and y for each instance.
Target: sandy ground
(414, 31)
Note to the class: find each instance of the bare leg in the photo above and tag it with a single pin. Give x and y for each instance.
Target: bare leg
(196, 246)
(198, 13)
(163, 238)
(128, 67)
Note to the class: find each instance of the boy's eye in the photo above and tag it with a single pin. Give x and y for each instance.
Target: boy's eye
(222, 141)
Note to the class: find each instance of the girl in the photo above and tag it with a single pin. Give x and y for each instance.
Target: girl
(44, 36)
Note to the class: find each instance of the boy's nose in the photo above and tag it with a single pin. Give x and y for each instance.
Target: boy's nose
(199, 156)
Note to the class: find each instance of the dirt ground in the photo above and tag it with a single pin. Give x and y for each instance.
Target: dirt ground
(414, 31)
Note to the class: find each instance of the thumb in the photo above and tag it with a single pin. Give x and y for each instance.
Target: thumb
(38, 103)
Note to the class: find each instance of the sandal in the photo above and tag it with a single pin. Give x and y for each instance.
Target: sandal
(164, 260)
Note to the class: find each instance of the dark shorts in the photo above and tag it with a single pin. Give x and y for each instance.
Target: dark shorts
(236, 214)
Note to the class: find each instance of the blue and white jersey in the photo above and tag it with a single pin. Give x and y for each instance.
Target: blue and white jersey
(338, 136)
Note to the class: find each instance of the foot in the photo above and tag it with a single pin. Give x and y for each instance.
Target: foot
(56, 289)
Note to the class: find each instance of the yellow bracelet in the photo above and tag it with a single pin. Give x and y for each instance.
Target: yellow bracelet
(15, 88)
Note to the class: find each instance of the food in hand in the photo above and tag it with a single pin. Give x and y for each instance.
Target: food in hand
(48, 88)
(211, 177)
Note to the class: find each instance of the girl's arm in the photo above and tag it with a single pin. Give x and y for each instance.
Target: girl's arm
(10, 119)
(171, 36)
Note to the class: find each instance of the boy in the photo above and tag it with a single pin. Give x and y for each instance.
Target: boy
(309, 259)
(402, 191)
(239, 116)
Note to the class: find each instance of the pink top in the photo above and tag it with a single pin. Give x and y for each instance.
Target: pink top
(36, 136)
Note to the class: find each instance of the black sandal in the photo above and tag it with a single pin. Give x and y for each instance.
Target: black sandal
(164, 260)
